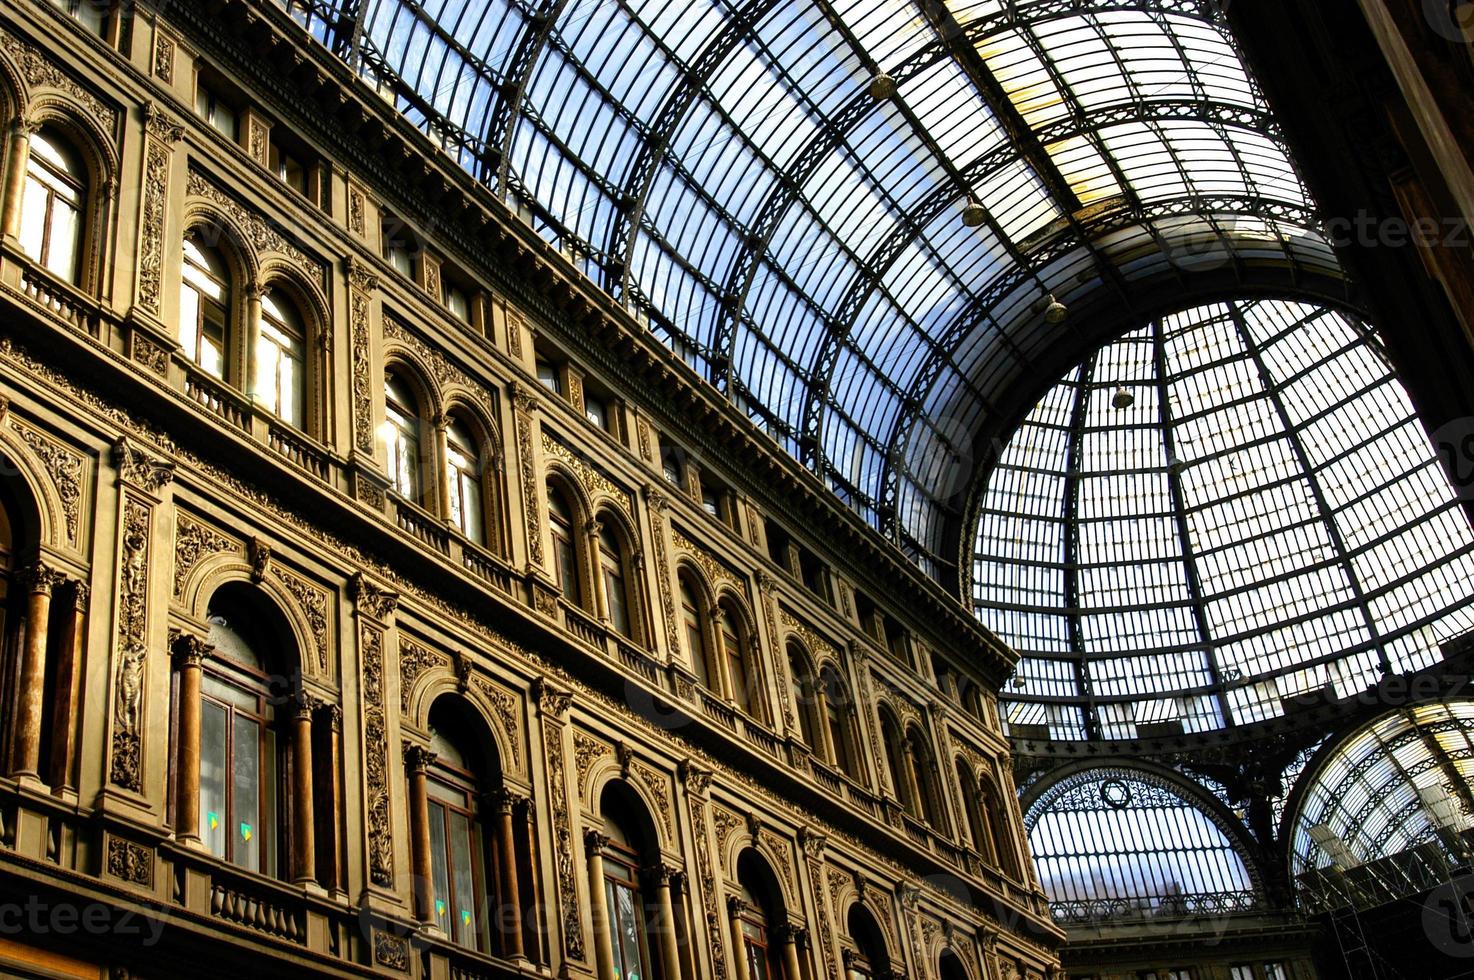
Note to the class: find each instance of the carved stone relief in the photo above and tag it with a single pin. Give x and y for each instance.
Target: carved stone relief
(376, 754)
(362, 285)
(193, 542)
(65, 468)
(504, 704)
(126, 769)
(658, 786)
(130, 862)
(39, 72)
(714, 924)
(415, 660)
(572, 923)
(524, 404)
(658, 507)
(716, 573)
(587, 750)
(164, 58)
(314, 604)
(596, 483)
(151, 232)
(441, 369)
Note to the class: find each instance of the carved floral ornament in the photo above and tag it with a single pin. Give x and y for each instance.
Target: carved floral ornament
(39, 74)
(595, 484)
(259, 234)
(65, 468)
(448, 380)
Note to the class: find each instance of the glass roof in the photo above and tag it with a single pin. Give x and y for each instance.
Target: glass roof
(724, 169)
(1230, 506)
(1119, 843)
(1387, 788)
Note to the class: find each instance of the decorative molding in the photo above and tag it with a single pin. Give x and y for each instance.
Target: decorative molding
(153, 356)
(157, 158)
(414, 660)
(65, 469)
(445, 374)
(817, 643)
(504, 704)
(356, 220)
(126, 768)
(130, 862)
(716, 572)
(524, 404)
(373, 600)
(362, 285)
(587, 750)
(314, 604)
(391, 951)
(139, 467)
(572, 919)
(255, 229)
(659, 505)
(376, 754)
(515, 325)
(551, 701)
(194, 541)
(715, 927)
(726, 823)
(595, 482)
(39, 72)
(164, 58)
(658, 785)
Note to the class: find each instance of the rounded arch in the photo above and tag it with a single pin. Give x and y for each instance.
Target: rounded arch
(930, 806)
(60, 110)
(696, 603)
(74, 168)
(895, 758)
(567, 482)
(305, 295)
(14, 93)
(438, 684)
(951, 966)
(214, 228)
(406, 365)
(870, 955)
(229, 572)
(475, 485)
(459, 723)
(240, 611)
(1167, 848)
(616, 571)
(623, 806)
(753, 870)
(30, 495)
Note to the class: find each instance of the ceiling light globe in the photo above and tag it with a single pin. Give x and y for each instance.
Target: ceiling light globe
(973, 214)
(1123, 398)
(882, 86)
(1055, 312)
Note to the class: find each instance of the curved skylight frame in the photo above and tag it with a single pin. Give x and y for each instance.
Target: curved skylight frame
(722, 168)
(1120, 842)
(1308, 536)
(1384, 788)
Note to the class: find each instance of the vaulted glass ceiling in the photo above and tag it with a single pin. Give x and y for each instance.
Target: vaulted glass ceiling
(1388, 787)
(724, 168)
(1230, 506)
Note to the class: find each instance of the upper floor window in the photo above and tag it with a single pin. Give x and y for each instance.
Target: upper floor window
(670, 465)
(204, 299)
(839, 721)
(735, 656)
(91, 14)
(217, 112)
(612, 571)
(463, 469)
(869, 959)
(695, 625)
(805, 698)
(457, 300)
(51, 211)
(280, 361)
(596, 410)
(403, 434)
(565, 546)
(548, 375)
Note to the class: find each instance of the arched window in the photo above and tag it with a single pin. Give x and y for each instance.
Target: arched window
(695, 625)
(456, 782)
(735, 653)
(204, 304)
(242, 808)
(839, 719)
(930, 801)
(869, 959)
(51, 212)
(758, 916)
(998, 823)
(950, 967)
(281, 375)
(979, 833)
(403, 434)
(896, 761)
(565, 546)
(615, 583)
(632, 914)
(463, 478)
(805, 698)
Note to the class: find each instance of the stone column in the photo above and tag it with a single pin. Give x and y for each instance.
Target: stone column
(670, 958)
(417, 759)
(439, 460)
(789, 936)
(253, 293)
(15, 176)
(735, 909)
(189, 654)
(598, 602)
(913, 778)
(819, 716)
(70, 649)
(594, 843)
(328, 794)
(37, 582)
(509, 917)
(304, 856)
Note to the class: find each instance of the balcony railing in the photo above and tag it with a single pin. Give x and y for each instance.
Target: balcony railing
(583, 627)
(217, 398)
(299, 449)
(65, 301)
(1206, 905)
(421, 525)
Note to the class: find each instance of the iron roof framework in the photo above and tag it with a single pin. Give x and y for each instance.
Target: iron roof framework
(721, 167)
(1225, 509)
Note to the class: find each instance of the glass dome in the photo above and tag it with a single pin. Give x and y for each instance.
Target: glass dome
(1226, 508)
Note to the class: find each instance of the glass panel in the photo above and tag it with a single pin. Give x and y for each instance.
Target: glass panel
(619, 614)
(439, 871)
(214, 765)
(245, 811)
(467, 911)
(33, 218)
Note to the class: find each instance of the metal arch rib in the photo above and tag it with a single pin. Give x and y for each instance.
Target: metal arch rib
(672, 113)
(501, 125)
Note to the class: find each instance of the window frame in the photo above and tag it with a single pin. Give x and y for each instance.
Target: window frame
(62, 169)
